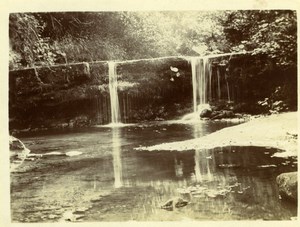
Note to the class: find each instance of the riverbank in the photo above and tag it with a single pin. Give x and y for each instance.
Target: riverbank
(276, 131)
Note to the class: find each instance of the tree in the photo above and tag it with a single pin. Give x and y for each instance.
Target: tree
(43, 38)
(27, 46)
(270, 72)
(266, 32)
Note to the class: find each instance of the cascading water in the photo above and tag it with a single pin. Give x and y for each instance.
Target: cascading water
(219, 83)
(202, 85)
(206, 86)
(113, 92)
(194, 64)
(207, 80)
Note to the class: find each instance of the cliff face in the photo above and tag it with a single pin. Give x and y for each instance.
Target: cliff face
(78, 94)
(41, 96)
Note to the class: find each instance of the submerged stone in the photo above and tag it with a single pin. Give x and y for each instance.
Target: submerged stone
(80, 210)
(69, 216)
(287, 184)
(176, 202)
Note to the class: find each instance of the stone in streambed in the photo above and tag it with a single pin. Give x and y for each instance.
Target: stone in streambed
(17, 152)
(71, 217)
(206, 113)
(176, 202)
(17, 148)
(52, 216)
(222, 114)
(80, 210)
(287, 185)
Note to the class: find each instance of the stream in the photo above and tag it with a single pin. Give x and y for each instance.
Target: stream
(95, 174)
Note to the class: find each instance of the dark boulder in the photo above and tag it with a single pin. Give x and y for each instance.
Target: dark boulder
(206, 113)
(17, 148)
(215, 113)
(287, 185)
(228, 114)
(222, 114)
(17, 151)
(15, 144)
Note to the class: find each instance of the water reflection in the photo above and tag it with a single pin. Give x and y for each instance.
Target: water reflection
(204, 166)
(227, 184)
(203, 161)
(209, 175)
(178, 167)
(117, 161)
(198, 175)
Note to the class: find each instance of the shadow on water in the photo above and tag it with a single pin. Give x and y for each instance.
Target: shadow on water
(110, 181)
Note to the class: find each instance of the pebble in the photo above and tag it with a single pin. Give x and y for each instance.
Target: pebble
(95, 200)
(52, 216)
(69, 216)
(81, 209)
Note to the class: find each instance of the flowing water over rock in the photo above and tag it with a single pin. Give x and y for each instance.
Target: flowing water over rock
(113, 92)
(110, 181)
(207, 82)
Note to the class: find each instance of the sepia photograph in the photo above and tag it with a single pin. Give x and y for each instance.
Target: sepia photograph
(152, 115)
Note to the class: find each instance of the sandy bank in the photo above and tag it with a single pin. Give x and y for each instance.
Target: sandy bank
(277, 131)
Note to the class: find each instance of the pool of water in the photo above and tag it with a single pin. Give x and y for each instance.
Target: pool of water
(110, 181)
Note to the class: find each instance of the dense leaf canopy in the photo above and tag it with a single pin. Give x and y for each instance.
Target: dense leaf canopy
(49, 38)
(273, 33)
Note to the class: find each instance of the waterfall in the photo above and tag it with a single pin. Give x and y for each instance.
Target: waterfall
(207, 74)
(202, 82)
(228, 93)
(113, 92)
(206, 86)
(195, 77)
(219, 84)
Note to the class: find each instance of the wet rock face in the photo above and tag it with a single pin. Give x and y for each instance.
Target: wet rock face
(287, 184)
(213, 115)
(40, 96)
(58, 96)
(222, 114)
